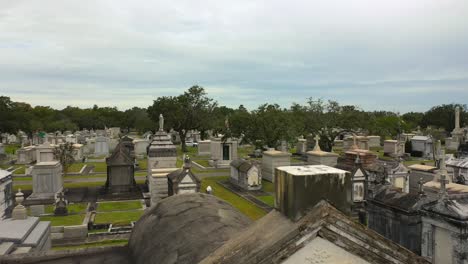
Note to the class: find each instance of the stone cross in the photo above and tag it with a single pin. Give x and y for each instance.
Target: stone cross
(161, 122)
(457, 117)
(420, 184)
(317, 146)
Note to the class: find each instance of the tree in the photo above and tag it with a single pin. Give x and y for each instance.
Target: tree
(188, 111)
(64, 154)
(443, 116)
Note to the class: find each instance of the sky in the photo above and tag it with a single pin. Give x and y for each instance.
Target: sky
(394, 55)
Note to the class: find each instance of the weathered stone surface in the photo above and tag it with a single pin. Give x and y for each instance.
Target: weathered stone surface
(184, 229)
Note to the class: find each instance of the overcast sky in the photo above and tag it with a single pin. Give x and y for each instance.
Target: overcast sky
(394, 55)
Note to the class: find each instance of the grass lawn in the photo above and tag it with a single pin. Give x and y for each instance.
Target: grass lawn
(244, 206)
(98, 166)
(64, 220)
(268, 199)
(204, 163)
(119, 206)
(75, 167)
(22, 178)
(143, 164)
(244, 151)
(268, 186)
(83, 184)
(141, 173)
(21, 169)
(143, 181)
(17, 186)
(105, 243)
(72, 208)
(118, 218)
(85, 177)
(11, 149)
(191, 151)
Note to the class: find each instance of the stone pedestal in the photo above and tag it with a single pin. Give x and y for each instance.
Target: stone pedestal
(301, 146)
(157, 184)
(272, 159)
(47, 181)
(322, 158)
(204, 148)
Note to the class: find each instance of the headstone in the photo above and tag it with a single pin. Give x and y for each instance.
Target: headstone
(374, 141)
(101, 146)
(301, 146)
(141, 146)
(61, 205)
(120, 171)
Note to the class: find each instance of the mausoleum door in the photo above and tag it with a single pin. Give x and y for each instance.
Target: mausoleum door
(226, 152)
(443, 247)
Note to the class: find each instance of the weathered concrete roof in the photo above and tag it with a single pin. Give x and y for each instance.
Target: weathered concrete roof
(184, 228)
(178, 175)
(456, 209)
(242, 165)
(421, 167)
(311, 170)
(276, 153)
(395, 198)
(274, 238)
(17, 230)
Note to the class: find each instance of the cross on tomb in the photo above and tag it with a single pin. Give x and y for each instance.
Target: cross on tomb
(443, 188)
(317, 146)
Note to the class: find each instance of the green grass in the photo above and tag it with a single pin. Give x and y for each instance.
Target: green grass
(11, 149)
(26, 187)
(118, 218)
(204, 163)
(191, 151)
(243, 152)
(105, 243)
(143, 181)
(143, 164)
(98, 166)
(141, 173)
(268, 186)
(64, 220)
(22, 179)
(78, 208)
(76, 167)
(119, 206)
(268, 199)
(244, 206)
(21, 169)
(96, 231)
(85, 177)
(83, 184)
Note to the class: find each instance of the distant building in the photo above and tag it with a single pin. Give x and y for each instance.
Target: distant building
(246, 174)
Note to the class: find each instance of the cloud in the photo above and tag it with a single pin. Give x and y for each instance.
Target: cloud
(127, 53)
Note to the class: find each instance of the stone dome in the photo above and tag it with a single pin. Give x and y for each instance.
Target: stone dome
(184, 228)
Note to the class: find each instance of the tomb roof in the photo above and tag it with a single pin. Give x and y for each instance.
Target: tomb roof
(310, 170)
(184, 228)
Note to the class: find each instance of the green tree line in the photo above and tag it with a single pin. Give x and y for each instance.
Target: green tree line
(266, 125)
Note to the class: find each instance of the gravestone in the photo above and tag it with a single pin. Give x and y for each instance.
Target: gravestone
(61, 205)
(101, 146)
(301, 146)
(120, 171)
(141, 146)
(2, 149)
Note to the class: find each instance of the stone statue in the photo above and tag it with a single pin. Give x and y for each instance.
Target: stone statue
(161, 122)
(317, 146)
(457, 117)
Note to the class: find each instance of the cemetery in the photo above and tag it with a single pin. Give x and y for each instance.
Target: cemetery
(85, 189)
